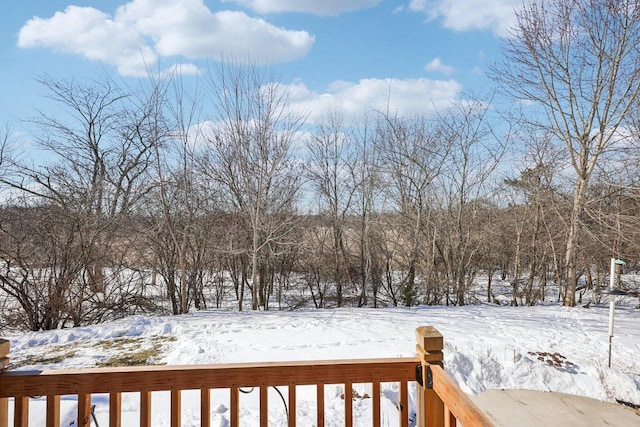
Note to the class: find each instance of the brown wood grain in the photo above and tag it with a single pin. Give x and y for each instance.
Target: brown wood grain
(156, 378)
(235, 407)
(176, 408)
(115, 410)
(205, 407)
(264, 406)
(292, 405)
(320, 404)
(375, 392)
(84, 409)
(4, 412)
(145, 408)
(461, 406)
(348, 404)
(404, 403)
(21, 412)
(4, 347)
(53, 411)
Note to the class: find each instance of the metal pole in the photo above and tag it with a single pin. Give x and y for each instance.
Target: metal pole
(612, 304)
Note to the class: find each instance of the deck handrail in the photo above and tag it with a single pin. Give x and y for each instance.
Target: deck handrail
(438, 399)
(193, 377)
(458, 406)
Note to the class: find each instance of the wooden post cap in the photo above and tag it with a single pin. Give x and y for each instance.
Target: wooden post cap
(429, 345)
(429, 338)
(4, 347)
(4, 352)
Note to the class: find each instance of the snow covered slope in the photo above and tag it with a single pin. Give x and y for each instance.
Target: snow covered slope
(549, 348)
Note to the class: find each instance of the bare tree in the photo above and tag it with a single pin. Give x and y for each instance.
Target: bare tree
(6, 148)
(475, 153)
(316, 262)
(250, 155)
(98, 157)
(331, 157)
(367, 178)
(534, 207)
(494, 254)
(179, 237)
(31, 272)
(579, 62)
(412, 153)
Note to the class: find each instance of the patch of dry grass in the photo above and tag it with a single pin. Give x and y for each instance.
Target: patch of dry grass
(135, 351)
(122, 351)
(58, 355)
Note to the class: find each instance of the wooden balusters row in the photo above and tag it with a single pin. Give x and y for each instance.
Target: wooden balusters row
(439, 401)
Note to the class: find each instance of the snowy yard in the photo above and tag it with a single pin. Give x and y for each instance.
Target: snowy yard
(549, 348)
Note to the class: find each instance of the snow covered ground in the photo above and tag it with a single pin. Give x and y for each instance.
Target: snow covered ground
(549, 348)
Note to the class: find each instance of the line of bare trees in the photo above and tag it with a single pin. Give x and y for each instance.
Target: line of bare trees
(170, 197)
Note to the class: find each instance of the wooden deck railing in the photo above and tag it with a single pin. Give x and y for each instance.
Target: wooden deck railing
(439, 401)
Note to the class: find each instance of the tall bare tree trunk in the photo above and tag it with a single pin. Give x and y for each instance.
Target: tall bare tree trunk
(576, 64)
(572, 244)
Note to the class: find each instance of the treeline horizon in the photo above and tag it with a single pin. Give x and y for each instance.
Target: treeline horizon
(231, 181)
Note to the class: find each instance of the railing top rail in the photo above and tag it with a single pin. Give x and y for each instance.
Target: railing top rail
(458, 402)
(186, 377)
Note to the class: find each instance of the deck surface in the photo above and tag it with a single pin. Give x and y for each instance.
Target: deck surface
(527, 408)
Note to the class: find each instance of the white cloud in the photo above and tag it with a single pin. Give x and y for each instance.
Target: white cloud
(143, 31)
(91, 33)
(404, 97)
(316, 7)
(436, 65)
(182, 70)
(465, 15)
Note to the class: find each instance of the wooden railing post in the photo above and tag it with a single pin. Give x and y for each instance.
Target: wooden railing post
(4, 354)
(4, 364)
(429, 347)
(4, 411)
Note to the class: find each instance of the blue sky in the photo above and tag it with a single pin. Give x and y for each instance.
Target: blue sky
(352, 54)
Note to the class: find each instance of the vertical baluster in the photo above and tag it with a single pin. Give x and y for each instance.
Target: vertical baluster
(176, 408)
(21, 412)
(145, 409)
(449, 418)
(376, 403)
(53, 411)
(84, 410)
(292, 405)
(320, 400)
(348, 404)
(404, 403)
(205, 407)
(235, 407)
(264, 406)
(115, 410)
